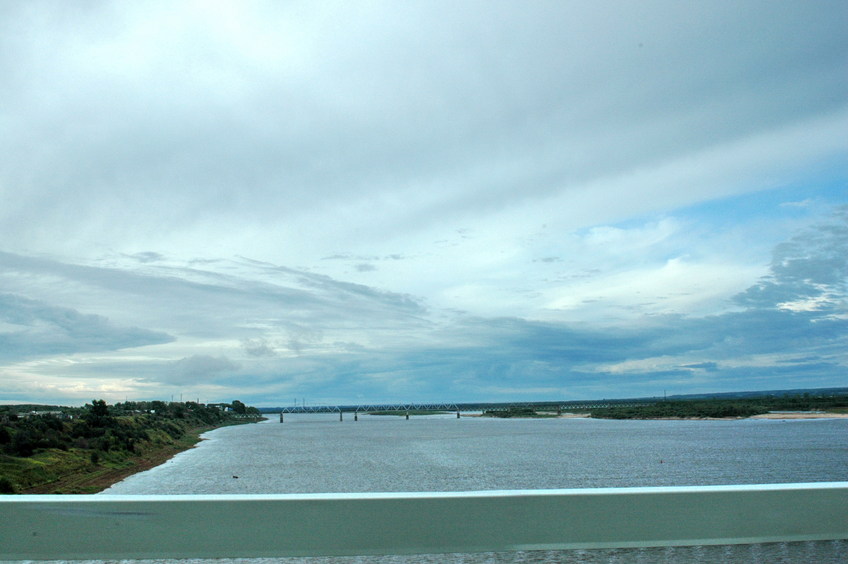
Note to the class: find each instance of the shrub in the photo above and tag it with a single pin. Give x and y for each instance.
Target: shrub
(6, 486)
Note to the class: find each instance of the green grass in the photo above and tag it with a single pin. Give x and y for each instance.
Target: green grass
(44, 467)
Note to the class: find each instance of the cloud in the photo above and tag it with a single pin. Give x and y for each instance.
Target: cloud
(199, 369)
(365, 267)
(147, 256)
(301, 331)
(412, 200)
(33, 328)
(808, 272)
(258, 347)
(177, 120)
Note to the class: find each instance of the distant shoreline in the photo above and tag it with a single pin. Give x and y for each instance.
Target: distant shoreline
(790, 415)
(775, 416)
(762, 416)
(824, 415)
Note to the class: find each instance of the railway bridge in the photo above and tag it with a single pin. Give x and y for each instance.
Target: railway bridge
(558, 406)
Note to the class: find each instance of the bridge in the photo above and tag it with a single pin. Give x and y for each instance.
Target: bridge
(460, 407)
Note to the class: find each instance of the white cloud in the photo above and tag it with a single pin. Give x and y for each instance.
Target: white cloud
(677, 286)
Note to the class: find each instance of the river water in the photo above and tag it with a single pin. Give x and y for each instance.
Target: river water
(318, 453)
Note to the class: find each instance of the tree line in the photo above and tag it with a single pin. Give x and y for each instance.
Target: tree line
(719, 407)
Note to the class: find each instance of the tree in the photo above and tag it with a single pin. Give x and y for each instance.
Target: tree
(99, 408)
(23, 444)
(239, 407)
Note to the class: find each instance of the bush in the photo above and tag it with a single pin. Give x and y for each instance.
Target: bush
(6, 486)
(22, 444)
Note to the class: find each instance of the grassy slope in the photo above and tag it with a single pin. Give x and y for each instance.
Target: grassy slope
(55, 471)
(74, 471)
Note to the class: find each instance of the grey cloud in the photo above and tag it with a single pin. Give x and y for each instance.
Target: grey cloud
(338, 257)
(181, 297)
(813, 264)
(148, 256)
(302, 338)
(452, 357)
(199, 369)
(370, 258)
(753, 331)
(258, 347)
(359, 295)
(365, 267)
(513, 353)
(38, 329)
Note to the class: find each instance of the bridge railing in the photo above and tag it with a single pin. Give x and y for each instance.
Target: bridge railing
(50, 527)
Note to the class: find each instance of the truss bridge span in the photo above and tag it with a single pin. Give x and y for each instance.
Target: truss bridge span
(462, 406)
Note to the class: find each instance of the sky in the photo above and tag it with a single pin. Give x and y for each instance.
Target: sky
(365, 202)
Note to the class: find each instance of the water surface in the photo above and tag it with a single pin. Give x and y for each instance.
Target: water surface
(317, 453)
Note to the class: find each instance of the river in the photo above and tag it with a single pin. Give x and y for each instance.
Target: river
(318, 453)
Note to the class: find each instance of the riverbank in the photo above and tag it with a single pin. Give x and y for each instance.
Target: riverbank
(88, 478)
(75, 473)
(86, 450)
(823, 415)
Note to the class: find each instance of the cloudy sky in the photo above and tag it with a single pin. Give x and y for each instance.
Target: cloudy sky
(421, 201)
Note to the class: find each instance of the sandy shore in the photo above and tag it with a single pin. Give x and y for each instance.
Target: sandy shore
(763, 416)
(789, 415)
(801, 416)
(563, 416)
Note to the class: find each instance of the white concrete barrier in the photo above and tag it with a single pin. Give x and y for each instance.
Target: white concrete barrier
(41, 527)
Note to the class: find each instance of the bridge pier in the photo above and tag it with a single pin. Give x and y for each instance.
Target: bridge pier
(281, 417)
(356, 416)
(341, 416)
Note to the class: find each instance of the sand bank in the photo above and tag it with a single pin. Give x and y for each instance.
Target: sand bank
(801, 415)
